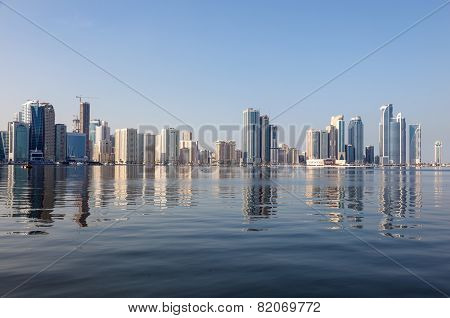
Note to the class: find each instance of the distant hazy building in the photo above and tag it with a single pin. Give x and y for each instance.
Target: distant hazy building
(49, 132)
(370, 155)
(313, 144)
(76, 146)
(356, 138)
(18, 141)
(438, 152)
(350, 153)
(93, 124)
(60, 142)
(205, 157)
(293, 156)
(251, 136)
(4, 147)
(332, 142)
(149, 148)
(265, 139)
(324, 145)
(225, 152)
(126, 146)
(102, 143)
(186, 142)
(274, 144)
(85, 120)
(415, 144)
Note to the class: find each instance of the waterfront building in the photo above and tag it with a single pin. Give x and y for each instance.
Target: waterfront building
(85, 119)
(251, 137)
(126, 146)
(392, 137)
(324, 145)
(313, 143)
(18, 141)
(415, 144)
(350, 153)
(339, 124)
(356, 138)
(274, 144)
(36, 131)
(225, 152)
(76, 146)
(149, 148)
(438, 153)
(370, 155)
(265, 139)
(60, 142)
(187, 142)
(332, 141)
(205, 157)
(4, 147)
(102, 143)
(49, 132)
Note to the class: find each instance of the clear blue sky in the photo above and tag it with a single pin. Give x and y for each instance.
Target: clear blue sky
(206, 61)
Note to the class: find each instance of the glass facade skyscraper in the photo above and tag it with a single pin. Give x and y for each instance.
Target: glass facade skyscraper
(392, 137)
(251, 136)
(37, 128)
(415, 144)
(356, 138)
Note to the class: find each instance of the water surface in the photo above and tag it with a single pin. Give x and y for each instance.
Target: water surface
(134, 231)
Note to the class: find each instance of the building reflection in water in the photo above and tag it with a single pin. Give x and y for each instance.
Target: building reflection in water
(41, 196)
(400, 202)
(340, 189)
(259, 196)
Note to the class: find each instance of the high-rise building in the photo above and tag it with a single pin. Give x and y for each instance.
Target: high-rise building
(140, 140)
(251, 136)
(49, 132)
(126, 146)
(397, 140)
(172, 145)
(85, 119)
(103, 145)
(265, 139)
(76, 146)
(93, 124)
(293, 156)
(149, 148)
(392, 137)
(60, 142)
(339, 124)
(350, 153)
(370, 155)
(225, 152)
(384, 132)
(324, 145)
(312, 144)
(18, 139)
(186, 142)
(37, 128)
(332, 141)
(438, 152)
(274, 144)
(4, 147)
(415, 144)
(356, 138)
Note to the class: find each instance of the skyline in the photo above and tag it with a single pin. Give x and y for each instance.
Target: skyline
(266, 60)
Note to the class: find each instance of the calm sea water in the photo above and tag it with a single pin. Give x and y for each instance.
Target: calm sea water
(133, 231)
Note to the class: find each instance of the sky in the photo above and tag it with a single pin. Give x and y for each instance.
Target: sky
(206, 61)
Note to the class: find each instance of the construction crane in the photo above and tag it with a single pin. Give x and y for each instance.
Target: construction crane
(80, 97)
